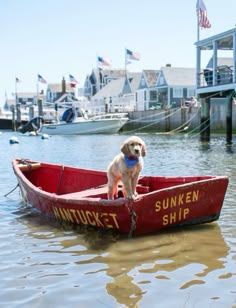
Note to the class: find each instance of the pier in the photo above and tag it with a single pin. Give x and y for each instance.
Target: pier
(217, 80)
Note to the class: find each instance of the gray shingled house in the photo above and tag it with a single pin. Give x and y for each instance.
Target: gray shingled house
(99, 78)
(60, 92)
(175, 85)
(119, 94)
(146, 94)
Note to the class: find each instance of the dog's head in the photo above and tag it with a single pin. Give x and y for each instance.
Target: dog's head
(134, 146)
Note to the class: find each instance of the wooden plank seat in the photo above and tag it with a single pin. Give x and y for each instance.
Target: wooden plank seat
(30, 166)
(91, 192)
(99, 191)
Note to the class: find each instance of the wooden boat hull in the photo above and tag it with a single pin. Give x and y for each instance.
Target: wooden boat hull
(78, 196)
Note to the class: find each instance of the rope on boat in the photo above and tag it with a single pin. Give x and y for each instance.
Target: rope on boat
(11, 190)
(59, 182)
(26, 162)
(133, 223)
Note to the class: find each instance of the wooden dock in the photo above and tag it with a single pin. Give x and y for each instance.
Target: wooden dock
(217, 79)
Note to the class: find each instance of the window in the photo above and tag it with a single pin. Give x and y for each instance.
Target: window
(191, 92)
(178, 92)
(153, 95)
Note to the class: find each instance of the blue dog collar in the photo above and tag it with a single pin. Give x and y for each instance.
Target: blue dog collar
(131, 161)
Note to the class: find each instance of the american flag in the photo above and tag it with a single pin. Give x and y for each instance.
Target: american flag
(72, 79)
(41, 79)
(131, 55)
(104, 61)
(202, 15)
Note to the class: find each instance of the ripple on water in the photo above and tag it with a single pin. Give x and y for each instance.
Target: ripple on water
(45, 264)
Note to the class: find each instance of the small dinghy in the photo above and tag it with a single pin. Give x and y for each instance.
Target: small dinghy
(79, 196)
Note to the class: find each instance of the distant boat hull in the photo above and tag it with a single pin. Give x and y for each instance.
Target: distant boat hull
(109, 124)
(79, 196)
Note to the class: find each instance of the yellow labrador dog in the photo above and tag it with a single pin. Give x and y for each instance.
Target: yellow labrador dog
(126, 167)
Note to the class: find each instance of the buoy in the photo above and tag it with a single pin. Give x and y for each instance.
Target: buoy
(13, 140)
(45, 136)
(32, 133)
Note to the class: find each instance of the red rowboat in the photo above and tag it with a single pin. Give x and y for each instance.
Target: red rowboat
(79, 196)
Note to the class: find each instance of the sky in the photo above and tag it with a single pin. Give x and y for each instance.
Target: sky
(55, 38)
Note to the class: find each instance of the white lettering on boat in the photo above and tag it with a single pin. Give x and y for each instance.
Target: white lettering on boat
(104, 220)
(177, 205)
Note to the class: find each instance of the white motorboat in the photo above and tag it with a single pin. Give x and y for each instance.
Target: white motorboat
(74, 123)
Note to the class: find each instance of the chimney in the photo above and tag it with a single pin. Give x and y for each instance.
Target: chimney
(63, 85)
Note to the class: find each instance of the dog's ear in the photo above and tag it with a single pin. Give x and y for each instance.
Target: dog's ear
(125, 148)
(144, 149)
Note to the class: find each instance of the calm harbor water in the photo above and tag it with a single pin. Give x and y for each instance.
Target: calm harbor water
(45, 265)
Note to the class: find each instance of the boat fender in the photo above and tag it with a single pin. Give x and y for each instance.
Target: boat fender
(33, 133)
(13, 140)
(45, 136)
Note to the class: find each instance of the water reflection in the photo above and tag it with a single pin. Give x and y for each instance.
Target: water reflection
(127, 261)
(229, 148)
(59, 266)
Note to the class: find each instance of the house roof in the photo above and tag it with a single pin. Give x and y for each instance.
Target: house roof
(134, 79)
(65, 97)
(119, 87)
(225, 41)
(113, 88)
(57, 87)
(178, 76)
(112, 73)
(26, 94)
(151, 77)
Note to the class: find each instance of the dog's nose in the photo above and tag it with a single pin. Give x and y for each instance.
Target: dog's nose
(136, 151)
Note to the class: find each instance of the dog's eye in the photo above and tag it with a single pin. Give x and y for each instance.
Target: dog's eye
(140, 144)
(132, 144)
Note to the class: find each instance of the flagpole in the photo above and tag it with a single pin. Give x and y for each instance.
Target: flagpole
(37, 89)
(16, 94)
(100, 73)
(197, 48)
(125, 62)
(14, 107)
(198, 25)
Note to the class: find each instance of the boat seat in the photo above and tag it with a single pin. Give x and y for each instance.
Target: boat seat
(99, 191)
(91, 192)
(28, 167)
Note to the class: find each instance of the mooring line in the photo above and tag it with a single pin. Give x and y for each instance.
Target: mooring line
(11, 190)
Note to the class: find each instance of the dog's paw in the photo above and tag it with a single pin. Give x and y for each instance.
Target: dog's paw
(133, 197)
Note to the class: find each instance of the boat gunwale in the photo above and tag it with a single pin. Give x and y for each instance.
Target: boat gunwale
(99, 200)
